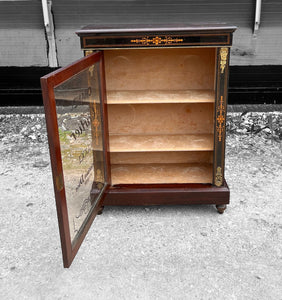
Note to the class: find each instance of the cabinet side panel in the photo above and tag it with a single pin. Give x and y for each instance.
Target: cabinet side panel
(220, 115)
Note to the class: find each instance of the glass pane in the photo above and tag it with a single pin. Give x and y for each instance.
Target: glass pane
(79, 114)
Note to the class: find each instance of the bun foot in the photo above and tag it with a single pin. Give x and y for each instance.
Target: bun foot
(221, 208)
(100, 211)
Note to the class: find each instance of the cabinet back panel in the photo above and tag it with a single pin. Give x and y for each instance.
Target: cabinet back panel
(162, 157)
(160, 69)
(161, 119)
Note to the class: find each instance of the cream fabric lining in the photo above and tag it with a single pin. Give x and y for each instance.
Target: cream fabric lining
(161, 173)
(161, 114)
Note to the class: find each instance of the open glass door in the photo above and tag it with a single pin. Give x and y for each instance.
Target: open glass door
(77, 126)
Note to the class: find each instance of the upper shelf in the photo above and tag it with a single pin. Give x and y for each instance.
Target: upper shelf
(147, 97)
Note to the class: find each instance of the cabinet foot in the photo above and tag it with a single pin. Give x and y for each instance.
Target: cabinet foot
(100, 211)
(221, 208)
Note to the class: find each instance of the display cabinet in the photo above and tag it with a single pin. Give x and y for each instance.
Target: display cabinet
(140, 120)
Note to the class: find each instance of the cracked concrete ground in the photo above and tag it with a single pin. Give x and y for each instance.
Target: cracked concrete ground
(163, 252)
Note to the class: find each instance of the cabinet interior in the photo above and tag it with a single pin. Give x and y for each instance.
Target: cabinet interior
(161, 114)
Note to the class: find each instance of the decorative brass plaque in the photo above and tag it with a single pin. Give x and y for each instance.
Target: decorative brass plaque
(91, 70)
(59, 182)
(99, 175)
(88, 52)
(95, 113)
(96, 125)
(218, 177)
(223, 59)
(167, 40)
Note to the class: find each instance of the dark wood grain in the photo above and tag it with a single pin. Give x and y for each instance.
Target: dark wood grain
(48, 82)
(184, 40)
(163, 194)
(181, 35)
(56, 165)
(177, 27)
(220, 113)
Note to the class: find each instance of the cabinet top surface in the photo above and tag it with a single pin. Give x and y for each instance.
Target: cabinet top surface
(123, 28)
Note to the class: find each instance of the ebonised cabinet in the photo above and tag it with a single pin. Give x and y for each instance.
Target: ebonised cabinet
(140, 120)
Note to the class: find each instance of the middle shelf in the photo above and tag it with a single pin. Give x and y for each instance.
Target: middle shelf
(160, 96)
(143, 143)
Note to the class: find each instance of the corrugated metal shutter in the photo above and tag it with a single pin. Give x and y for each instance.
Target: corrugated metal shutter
(26, 18)
(72, 15)
(78, 13)
(22, 36)
(247, 50)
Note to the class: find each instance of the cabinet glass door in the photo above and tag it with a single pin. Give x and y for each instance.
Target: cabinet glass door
(75, 116)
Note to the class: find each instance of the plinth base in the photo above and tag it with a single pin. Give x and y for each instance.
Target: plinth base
(168, 194)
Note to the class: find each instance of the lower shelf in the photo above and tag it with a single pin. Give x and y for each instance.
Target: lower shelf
(161, 173)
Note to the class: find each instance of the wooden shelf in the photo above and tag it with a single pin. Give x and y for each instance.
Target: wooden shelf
(159, 96)
(168, 157)
(144, 143)
(161, 173)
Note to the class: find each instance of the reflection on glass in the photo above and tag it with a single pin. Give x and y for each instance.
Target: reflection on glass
(80, 131)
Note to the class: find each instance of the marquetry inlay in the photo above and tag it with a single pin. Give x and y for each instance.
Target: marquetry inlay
(220, 119)
(167, 40)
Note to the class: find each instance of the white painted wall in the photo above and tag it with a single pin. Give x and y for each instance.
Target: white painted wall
(22, 37)
(265, 49)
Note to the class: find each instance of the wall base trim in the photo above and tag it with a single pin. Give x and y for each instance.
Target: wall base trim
(20, 86)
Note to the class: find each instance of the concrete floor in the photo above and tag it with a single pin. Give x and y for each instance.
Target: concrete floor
(164, 252)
